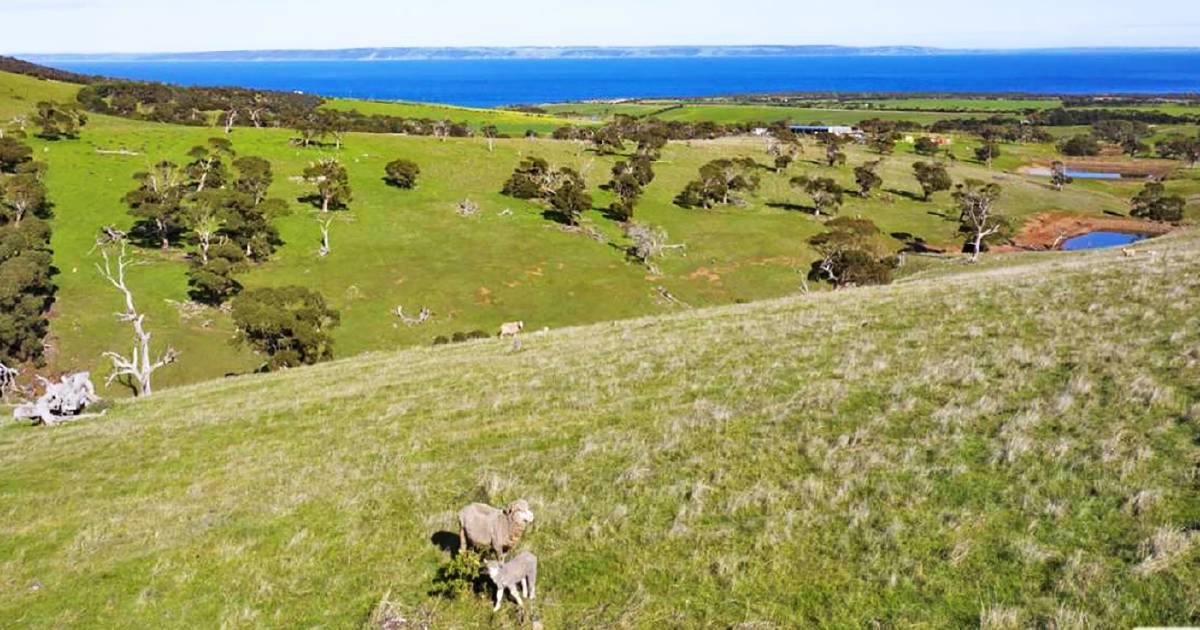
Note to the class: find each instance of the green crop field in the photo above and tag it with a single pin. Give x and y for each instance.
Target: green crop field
(411, 249)
(1005, 445)
(999, 105)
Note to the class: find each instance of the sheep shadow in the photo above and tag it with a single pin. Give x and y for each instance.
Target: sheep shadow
(446, 541)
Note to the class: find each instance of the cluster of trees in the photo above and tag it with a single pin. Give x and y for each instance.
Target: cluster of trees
(240, 107)
(1000, 128)
(562, 188)
(217, 202)
(721, 182)
(1180, 147)
(26, 272)
(58, 120)
(851, 253)
(1130, 137)
(933, 177)
(783, 146)
(1153, 203)
(667, 129)
(291, 325)
(826, 193)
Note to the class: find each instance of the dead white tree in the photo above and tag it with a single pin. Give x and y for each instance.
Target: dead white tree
(138, 366)
(977, 212)
(649, 244)
(8, 379)
(230, 117)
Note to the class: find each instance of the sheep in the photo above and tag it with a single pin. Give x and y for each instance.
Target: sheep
(510, 329)
(520, 571)
(481, 525)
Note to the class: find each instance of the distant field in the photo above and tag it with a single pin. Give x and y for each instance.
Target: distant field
(801, 115)
(509, 122)
(730, 113)
(1174, 110)
(965, 104)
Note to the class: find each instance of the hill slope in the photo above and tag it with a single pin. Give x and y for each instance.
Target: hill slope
(1004, 446)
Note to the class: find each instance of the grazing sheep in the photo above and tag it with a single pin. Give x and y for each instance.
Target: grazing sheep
(482, 525)
(510, 329)
(520, 571)
(1129, 253)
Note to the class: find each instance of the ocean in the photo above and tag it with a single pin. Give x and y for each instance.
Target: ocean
(496, 82)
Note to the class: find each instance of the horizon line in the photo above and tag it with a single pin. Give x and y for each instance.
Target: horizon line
(781, 49)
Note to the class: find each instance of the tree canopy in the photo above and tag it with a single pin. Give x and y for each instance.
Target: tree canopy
(291, 325)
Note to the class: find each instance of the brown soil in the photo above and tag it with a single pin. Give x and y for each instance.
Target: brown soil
(1049, 230)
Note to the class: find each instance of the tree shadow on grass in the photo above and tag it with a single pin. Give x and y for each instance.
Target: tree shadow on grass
(907, 194)
(792, 207)
(915, 244)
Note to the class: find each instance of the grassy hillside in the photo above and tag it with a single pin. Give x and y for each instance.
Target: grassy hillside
(1000, 446)
(410, 248)
(508, 122)
(19, 94)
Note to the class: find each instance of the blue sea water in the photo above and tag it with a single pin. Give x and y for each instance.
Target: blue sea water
(490, 83)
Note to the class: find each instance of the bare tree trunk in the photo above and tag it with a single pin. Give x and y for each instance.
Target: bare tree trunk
(138, 366)
(325, 249)
(205, 240)
(229, 118)
(162, 234)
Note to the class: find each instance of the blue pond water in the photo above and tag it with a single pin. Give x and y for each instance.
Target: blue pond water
(493, 82)
(1098, 240)
(1090, 175)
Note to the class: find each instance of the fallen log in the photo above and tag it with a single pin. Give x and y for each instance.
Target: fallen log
(62, 401)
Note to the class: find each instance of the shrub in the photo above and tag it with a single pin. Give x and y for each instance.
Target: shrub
(402, 173)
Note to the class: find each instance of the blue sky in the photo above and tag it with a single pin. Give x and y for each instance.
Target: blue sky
(44, 26)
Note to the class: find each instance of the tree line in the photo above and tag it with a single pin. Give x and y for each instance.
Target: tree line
(26, 262)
